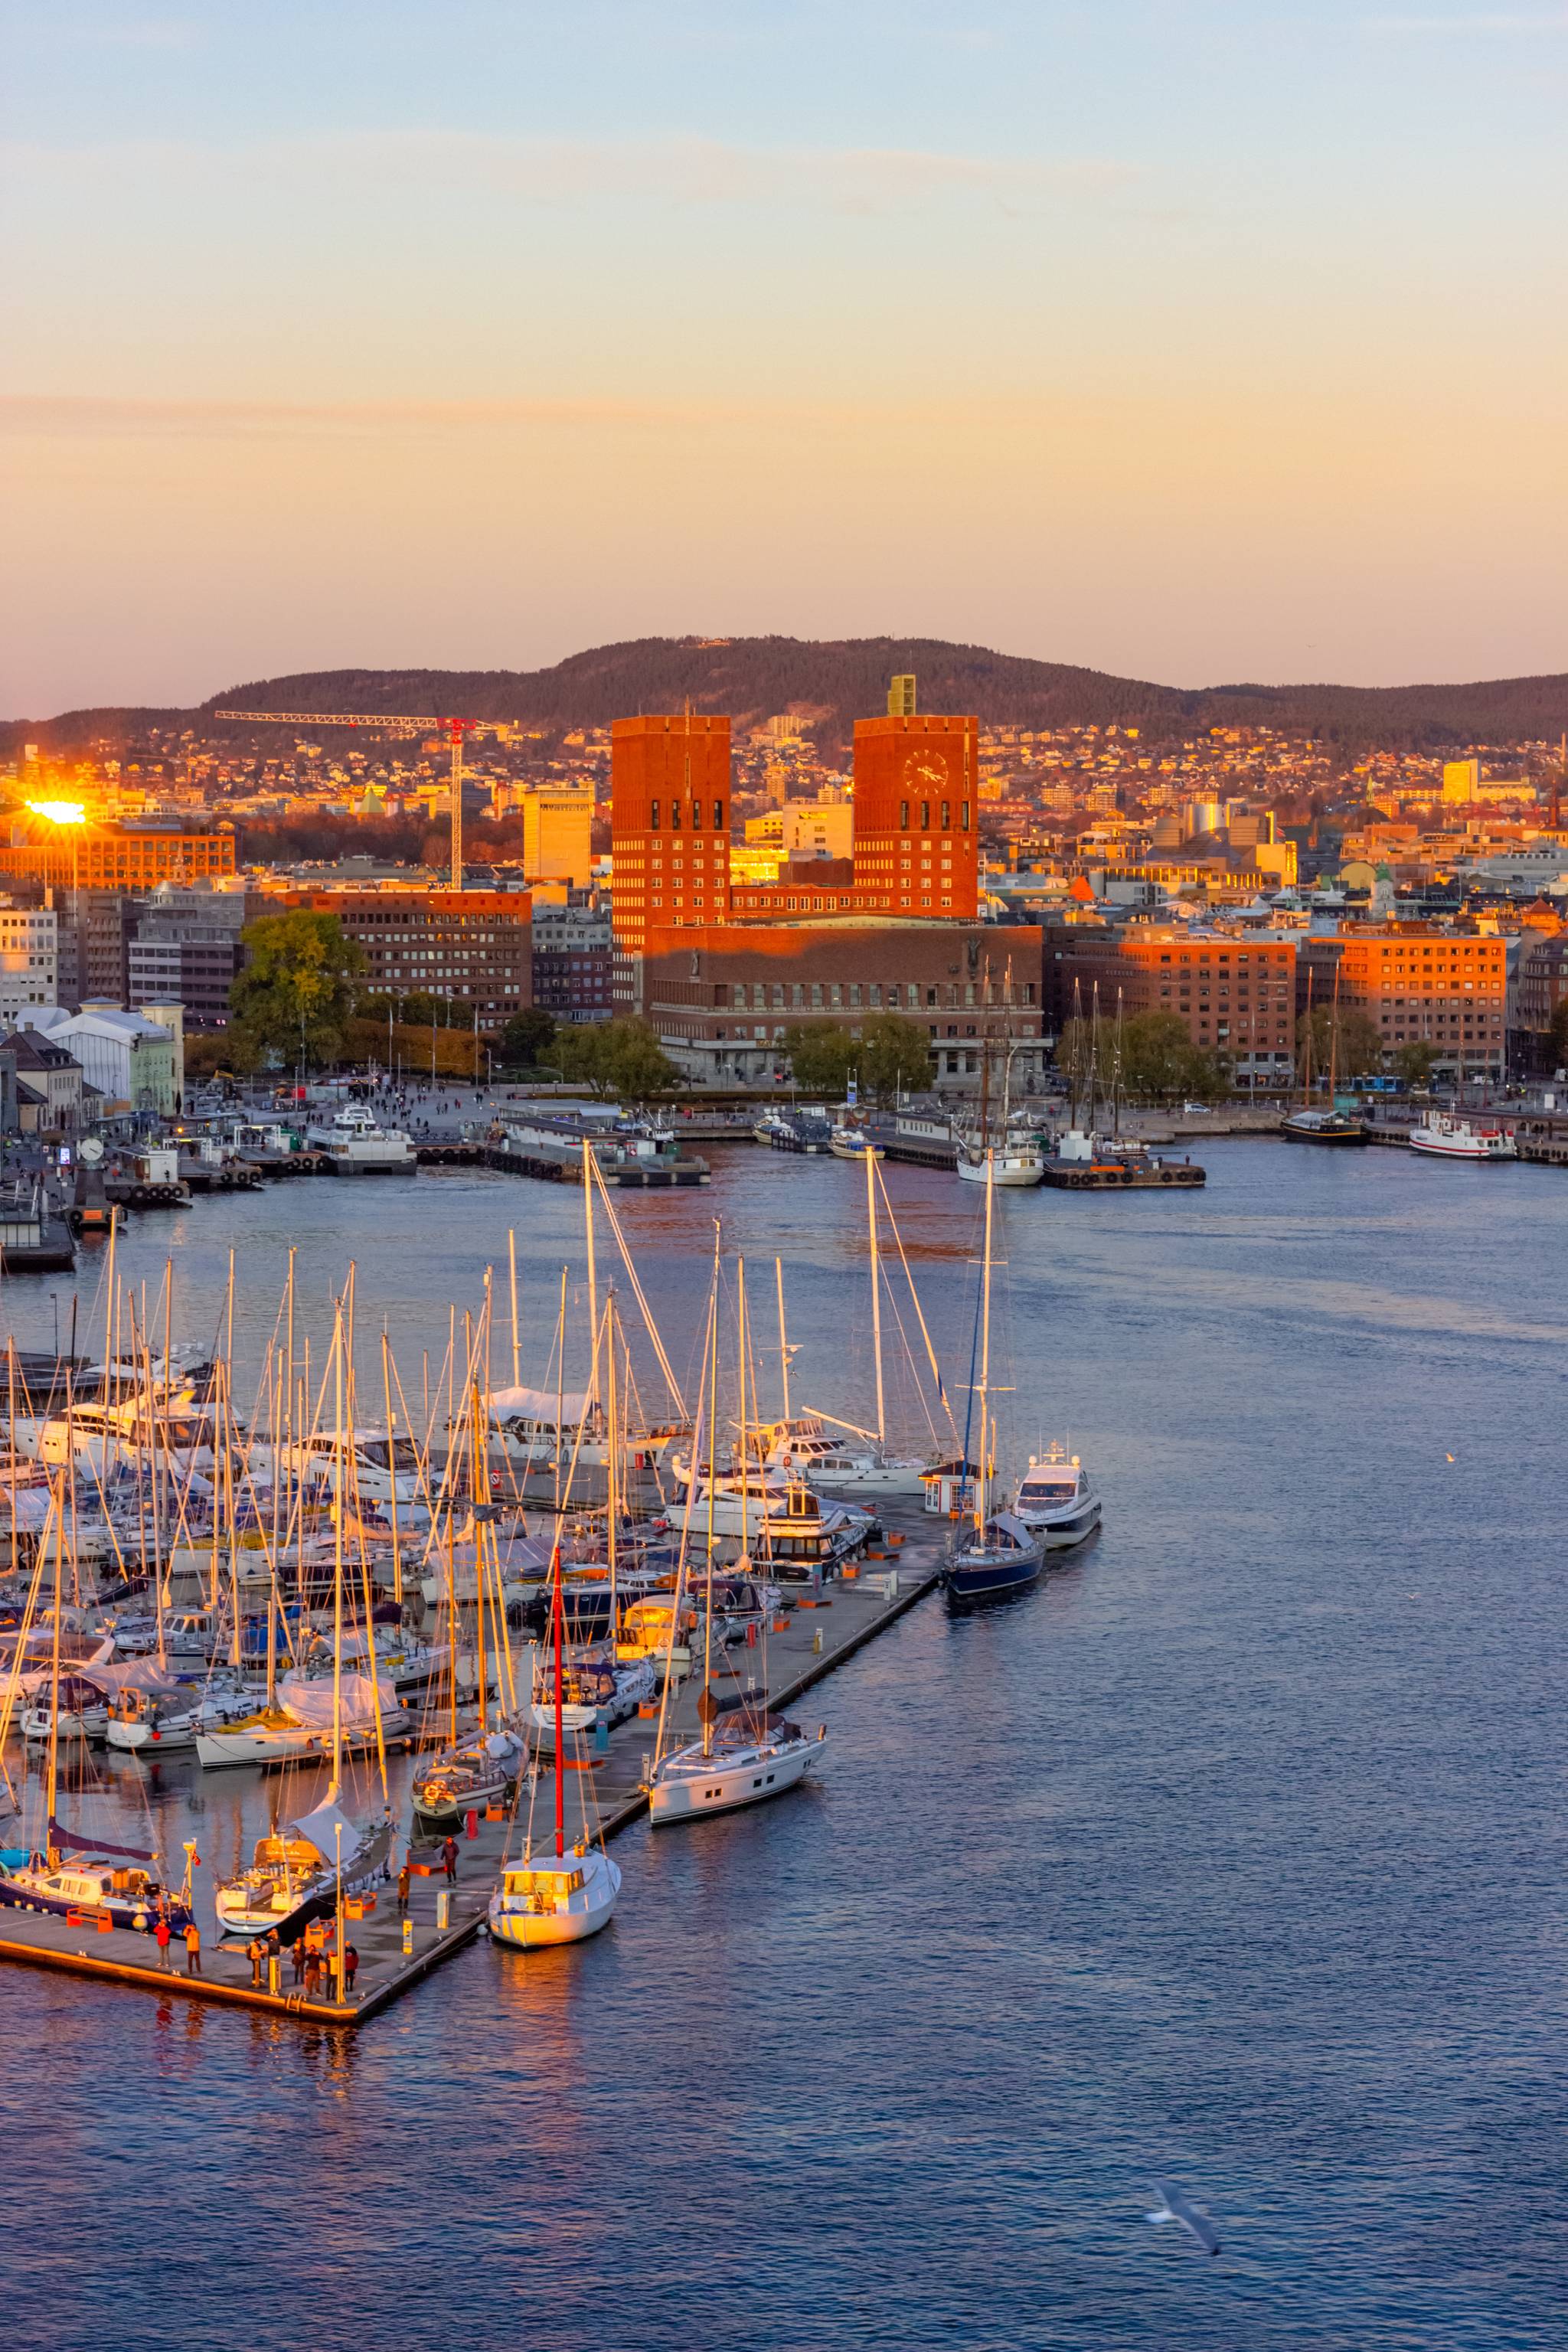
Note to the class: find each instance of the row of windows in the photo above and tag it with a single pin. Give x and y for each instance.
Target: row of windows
(675, 809)
(858, 995)
(926, 807)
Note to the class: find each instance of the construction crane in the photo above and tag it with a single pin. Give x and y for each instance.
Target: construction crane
(397, 723)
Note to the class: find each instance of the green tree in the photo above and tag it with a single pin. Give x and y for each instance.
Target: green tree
(1160, 1061)
(417, 1010)
(296, 994)
(1414, 1062)
(823, 1057)
(1357, 1053)
(529, 1036)
(895, 1057)
(619, 1060)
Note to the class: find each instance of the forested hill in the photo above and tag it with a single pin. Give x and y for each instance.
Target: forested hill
(835, 681)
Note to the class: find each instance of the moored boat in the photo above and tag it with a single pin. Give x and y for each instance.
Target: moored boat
(1054, 1500)
(1447, 1135)
(295, 1873)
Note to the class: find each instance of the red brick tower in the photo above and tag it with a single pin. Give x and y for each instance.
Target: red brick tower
(916, 816)
(670, 830)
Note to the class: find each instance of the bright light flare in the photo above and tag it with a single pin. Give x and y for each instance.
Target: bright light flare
(59, 811)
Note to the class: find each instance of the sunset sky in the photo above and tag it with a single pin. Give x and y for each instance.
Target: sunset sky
(1198, 342)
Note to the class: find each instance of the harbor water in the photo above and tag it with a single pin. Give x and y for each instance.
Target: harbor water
(1233, 1856)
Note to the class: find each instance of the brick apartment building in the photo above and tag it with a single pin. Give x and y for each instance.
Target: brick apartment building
(1413, 981)
(475, 947)
(720, 999)
(1236, 994)
(574, 960)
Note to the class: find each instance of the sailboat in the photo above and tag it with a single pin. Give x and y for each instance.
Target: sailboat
(298, 1874)
(745, 1754)
(1019, 1158)
(572, 1894)
(69, 1873)
(1330, 1126)
(999, 1554)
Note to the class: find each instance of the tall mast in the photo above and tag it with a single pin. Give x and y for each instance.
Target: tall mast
(511, 1264)
(51, 1787)
(611, 1479)
(593, 1276)
(338, 1483)
(784, 1337)
(876, 1290)
(392, 1464)
(1334, 1039)
(1306, 1049)
(713, 1477)
(984, 1359)
(555, 1612)
(745, 1450)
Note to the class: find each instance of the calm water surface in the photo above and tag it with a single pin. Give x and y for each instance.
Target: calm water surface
(1235, 1854)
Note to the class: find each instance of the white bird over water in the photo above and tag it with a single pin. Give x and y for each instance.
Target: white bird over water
(1175, 2207)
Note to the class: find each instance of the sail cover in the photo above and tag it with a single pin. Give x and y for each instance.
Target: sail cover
(68, 1842)
(321, 1828)
(309, 1700)
(541, 1404)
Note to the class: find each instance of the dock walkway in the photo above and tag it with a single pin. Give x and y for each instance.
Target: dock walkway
(602, 1798)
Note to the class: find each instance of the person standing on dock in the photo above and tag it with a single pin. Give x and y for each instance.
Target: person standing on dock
(403, 1876)
(193, 1950)
(298, 1955)
(350, 1963)
(255, 1952)
(449, 1856)
(161, 1937)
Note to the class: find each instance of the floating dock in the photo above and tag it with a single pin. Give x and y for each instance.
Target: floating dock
(604, 1794)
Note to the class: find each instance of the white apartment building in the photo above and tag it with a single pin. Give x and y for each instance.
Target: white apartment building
(29, 960)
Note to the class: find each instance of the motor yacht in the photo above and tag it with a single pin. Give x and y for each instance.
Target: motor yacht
(168, 1717)
(854, 1143)
(1054, 1500)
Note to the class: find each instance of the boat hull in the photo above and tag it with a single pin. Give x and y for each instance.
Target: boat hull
(236, 1916)
(1065, 1533)
(726, 1787)
(967, 1581)
(570, 1921)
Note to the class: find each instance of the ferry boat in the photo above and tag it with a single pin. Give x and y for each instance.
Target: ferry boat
(1054, 1500)
(1448, 1136)
(356, 1145)
(1323, 1127)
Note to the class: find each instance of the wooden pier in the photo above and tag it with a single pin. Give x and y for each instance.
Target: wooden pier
(603, 1795)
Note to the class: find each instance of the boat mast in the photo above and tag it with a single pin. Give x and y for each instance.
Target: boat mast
(556, 1614)
(784, 1337)
(612, 1483)
(876, 1289)
(392, 1463)
(511, 1266)
(593, 1272)
(1334, 1039)
(338, 1560)
(712, 1481)
(1307, 1048)
(981, 1465)
(745, 1450)
(51, 1785)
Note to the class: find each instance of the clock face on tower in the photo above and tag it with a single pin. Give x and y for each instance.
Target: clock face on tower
(924, 771)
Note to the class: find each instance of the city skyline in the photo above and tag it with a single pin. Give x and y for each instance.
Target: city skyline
(1187, 346)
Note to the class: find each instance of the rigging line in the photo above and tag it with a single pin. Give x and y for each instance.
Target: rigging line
(650, 1326)
(920, 1311)
(681, 1557)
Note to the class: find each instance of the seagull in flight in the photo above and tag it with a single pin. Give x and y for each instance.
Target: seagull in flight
(1175, 2207)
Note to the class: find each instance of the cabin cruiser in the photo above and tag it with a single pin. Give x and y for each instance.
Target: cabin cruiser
(1054, 1500)
(557, 1901)
(355, 1145)
(167, 1716)
(596, 1687)
(479, 1771)
(378, 1469)
(101, 1438)
(742, 1761)
(806, 1449)
(115, 1882)
(1446, 1136)
(781, 1520)
(77, 1708)
(1310, 1125)
(294, 1874)
(547, 1425)
(854, 1143)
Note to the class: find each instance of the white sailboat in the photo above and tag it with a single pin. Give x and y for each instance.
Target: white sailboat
(995, 1554)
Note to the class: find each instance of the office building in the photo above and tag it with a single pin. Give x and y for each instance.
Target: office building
(474, 948)
(557, 835)
(573, 963)
(29, 959)
(1234, 995)
(119, 857)
(1417, 983)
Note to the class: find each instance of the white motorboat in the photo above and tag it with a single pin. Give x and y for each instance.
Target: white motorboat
(804, 1448)
(740, 1761)
(544, 1426)
(369, 1464)
(294, 1874)
(101, 1438)
(167, 1719)
(559, 1900)
(80, 1709)
(1446, 1134)
(854, 1143)
(355, 1145)
(780, 1518)
(1054, 1500)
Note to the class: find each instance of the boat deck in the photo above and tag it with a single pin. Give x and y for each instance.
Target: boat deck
(607, 1788)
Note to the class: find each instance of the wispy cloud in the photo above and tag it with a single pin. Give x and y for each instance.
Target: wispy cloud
(70, 416)
(683, 172)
